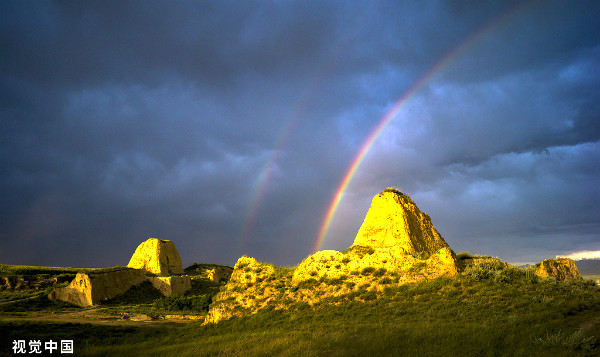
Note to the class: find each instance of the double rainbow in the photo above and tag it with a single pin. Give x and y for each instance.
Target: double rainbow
(391, 114)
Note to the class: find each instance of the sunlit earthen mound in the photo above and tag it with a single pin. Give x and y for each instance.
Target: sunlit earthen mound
(157, 256)
(152, 257)
(396, 244)
(560, 269)
(394, 220)
(395, 236)
(91, 289)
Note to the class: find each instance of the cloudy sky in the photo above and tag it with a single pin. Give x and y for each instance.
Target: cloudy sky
(228, 126)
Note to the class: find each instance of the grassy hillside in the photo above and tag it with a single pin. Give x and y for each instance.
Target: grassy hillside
(25, 270)
(481, 313)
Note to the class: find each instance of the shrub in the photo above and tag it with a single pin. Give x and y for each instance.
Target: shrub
(306, 284)
(396, 191)
(576, 341)
(364, 286)
(481, 271)
(336, 281)
(180, 303)
(385, 281)
(368, 295)
(380, 272)
(367, 270)
(463, 255)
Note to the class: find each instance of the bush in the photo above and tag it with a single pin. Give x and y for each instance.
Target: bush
(385, 281)
(576, 341)
(306, 284)
(396, 191)
(368, 295)
(183, 303)
(367, 270)
(463, 255)
(380, 272)
(481, 271)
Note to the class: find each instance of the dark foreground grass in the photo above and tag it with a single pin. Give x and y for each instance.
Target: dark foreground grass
(504, 316)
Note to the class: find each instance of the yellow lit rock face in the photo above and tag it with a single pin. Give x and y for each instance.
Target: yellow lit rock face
(90, 289)
(394, 220)
(396, 244)
(251, 286)
(560, 269)
(171, 285)
(395, 236)
(157, 256)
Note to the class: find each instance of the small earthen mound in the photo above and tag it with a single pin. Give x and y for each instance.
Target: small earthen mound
(561, 269)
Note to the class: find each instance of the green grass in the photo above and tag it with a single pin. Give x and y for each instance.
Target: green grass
(24, 270)
(508, 314)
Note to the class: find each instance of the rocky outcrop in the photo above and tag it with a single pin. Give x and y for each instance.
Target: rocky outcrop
(154, 256)
(396, 244)
(171, 285)
(395, 236)
(91, 289)
(560, 269)
(394, 220)
(157, 256)
(251, 287)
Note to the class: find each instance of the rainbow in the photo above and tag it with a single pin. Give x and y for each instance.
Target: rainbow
(263, 179)
(391, 114)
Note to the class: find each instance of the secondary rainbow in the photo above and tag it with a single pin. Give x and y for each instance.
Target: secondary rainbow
(262, 181)
(387, 118)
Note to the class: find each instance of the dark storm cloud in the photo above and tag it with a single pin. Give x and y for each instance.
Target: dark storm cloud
(124, 120)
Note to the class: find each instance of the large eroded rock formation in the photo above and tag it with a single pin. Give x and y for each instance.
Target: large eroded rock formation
(157, 256)
(395, 236)
(394, 220)
(396, 244)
